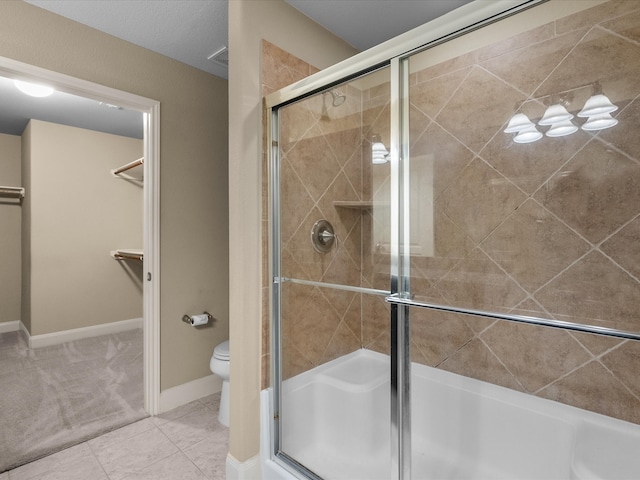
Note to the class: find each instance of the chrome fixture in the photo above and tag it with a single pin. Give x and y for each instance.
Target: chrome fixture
(12, 192)
(322, 236)
(337, 97)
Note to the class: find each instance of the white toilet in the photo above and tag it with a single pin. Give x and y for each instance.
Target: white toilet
(219, 365)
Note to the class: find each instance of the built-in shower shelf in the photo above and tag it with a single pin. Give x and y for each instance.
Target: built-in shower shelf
(359, 205)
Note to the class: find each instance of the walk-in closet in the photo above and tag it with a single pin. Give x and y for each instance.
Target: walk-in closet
(71, 272)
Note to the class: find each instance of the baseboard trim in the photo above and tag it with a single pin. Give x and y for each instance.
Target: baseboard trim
(188, 392)
(55, 338)
(247, 470)
(12, 326)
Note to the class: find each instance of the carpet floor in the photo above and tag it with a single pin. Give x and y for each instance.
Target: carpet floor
(54, 397)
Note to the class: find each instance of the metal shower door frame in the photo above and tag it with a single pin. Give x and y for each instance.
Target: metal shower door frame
(396, 54)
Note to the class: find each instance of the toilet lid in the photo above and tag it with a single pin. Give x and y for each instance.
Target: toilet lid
(221, 351)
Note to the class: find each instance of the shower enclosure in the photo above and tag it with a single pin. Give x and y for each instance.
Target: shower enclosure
(465, 198)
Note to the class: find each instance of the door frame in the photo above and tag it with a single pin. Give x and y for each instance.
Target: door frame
(151, 193)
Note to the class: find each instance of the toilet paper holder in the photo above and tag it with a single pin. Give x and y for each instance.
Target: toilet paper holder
(197, 320)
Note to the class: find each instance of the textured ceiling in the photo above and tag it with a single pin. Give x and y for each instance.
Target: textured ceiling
(364, 24)
(185, 30)
(190, 31)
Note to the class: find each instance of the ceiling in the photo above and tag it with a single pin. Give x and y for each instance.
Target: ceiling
(191, 31)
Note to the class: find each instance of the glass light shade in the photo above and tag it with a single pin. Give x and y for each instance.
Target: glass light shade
(561, 129)
(528, 135)
(597, 105)
(555, 114)
(33, 89)
(599, 122)
(379, 153)
(518, 123)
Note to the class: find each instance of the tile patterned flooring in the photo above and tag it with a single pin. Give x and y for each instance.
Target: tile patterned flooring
(187, 443)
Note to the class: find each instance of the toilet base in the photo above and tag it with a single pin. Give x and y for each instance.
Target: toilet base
(223, 413)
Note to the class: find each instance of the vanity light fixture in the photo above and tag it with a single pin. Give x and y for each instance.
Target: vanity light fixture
(379, 153)
(597, 110)
(33, 89)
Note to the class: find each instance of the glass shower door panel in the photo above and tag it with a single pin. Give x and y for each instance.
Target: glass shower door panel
(524, 194)
(334, 273)
(524, 200)
(334, 416)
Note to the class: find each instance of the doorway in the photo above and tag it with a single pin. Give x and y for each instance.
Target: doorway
(148, 269)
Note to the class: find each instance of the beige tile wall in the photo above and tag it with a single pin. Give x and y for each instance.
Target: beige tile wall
(546, 229)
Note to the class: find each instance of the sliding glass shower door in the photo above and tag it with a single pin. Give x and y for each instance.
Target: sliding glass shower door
(440, 213)
(332, 271)
(523, 196)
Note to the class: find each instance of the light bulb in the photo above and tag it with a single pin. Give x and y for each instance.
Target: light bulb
(33, 89)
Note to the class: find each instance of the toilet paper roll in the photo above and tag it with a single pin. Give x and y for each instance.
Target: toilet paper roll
(196, 320)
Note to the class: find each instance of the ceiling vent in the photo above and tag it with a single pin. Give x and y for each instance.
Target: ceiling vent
(220, 57)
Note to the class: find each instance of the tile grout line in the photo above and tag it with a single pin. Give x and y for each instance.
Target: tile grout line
(98, 460)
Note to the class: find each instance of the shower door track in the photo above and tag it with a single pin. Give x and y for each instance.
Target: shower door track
(394, 299)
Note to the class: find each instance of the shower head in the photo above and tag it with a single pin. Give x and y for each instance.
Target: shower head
(337, 97)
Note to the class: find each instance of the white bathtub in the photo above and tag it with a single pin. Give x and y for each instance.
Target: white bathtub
(336, 422)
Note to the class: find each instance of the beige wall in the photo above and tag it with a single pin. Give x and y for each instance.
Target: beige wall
(78, 212)
(193, 167)
(249, 23)
(10, 219)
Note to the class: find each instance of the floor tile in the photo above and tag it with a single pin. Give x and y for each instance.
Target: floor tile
(212, 401)
(143, 451)
(75, 463)
(177, 466)
(118, 436)
(210, 454)
(191, 428)
(178, 412)
(134, 454)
